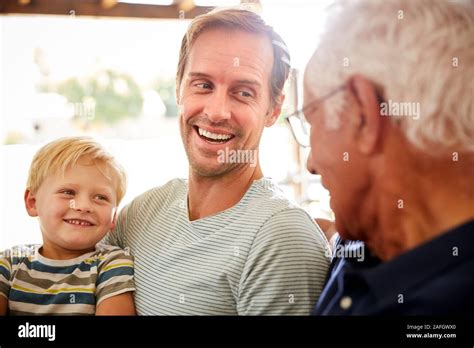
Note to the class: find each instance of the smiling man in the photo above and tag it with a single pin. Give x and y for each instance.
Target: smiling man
(401, 183)
(227, 241)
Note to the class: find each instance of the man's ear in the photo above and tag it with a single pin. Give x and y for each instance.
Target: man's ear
(370, 123)
(177, 95)
(275, 111)
(30, 203)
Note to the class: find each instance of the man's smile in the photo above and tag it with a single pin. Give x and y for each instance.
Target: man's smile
(213, 136)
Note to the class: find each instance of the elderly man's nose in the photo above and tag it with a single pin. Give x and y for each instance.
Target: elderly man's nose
(310, 164)
(216, 107)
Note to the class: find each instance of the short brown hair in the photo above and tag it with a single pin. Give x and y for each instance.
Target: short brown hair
(240, 19)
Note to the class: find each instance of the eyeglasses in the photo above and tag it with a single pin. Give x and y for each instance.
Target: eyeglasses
(297, 122)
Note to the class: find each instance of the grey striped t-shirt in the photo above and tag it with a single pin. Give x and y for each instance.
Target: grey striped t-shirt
(263, 256)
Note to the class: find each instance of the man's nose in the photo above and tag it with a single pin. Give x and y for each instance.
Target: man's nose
(310, 164)
(217, 106)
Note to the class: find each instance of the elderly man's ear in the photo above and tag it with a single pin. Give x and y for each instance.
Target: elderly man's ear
(274, 112)
(369, 122)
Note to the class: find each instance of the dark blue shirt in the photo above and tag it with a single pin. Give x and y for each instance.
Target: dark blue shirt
(434, 278)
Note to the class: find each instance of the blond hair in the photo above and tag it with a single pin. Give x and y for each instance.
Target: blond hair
(58, 155)
(238, 19)
(419, 51)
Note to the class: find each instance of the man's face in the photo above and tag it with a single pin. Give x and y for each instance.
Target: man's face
(224, 97)
(335, 157)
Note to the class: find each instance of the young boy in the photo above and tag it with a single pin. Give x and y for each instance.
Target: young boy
(74, 187)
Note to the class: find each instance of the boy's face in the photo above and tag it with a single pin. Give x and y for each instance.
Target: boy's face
(75, 210)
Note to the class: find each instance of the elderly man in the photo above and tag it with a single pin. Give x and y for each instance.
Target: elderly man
(389, 99)
(226, 241)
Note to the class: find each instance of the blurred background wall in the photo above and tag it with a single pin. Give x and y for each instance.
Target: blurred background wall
(107, 69)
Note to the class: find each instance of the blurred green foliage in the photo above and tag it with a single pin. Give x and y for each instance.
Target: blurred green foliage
(116, 95)
(166, 88)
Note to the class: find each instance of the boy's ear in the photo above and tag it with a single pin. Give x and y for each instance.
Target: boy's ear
(113, 223)
(30, 203)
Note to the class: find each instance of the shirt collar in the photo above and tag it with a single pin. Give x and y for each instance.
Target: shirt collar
(426, 261)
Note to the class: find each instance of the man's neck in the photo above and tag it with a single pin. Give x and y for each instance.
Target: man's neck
(421, 207)
(418, 223)
(210, 195)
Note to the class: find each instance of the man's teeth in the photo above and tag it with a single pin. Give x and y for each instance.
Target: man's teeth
(213, 136)
(79, 222)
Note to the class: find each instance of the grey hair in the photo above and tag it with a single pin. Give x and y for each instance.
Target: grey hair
(418, 51)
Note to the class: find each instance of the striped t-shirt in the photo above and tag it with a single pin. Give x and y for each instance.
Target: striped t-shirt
(35, 285)
(263, 256)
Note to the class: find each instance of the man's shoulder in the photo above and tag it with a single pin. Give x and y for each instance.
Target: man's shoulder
(267, 197)
(163, 195)
(279, 217)
(267, 193)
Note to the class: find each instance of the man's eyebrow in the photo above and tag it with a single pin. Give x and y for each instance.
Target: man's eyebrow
(199, 74)
(239, 81)
(249, 82)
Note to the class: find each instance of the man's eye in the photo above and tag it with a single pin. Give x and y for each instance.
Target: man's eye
(203, 85)
(245, 94)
